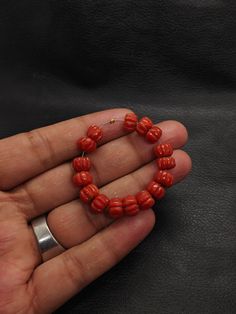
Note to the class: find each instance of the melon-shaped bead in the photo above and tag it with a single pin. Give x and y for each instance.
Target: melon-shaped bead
(86, 144)
(88, 193)
(163, 150)
(115, 208)
(130, 205)
(81, 164)
(156, 190)
(99, 203)
(145, 200)
(154, 134)
(95, 132)
(143, 126)
(130, 121)
(164, 178)
(82, 178)
(166, 163)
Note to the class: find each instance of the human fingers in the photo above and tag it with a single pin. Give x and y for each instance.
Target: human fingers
(57, 280)
(73, 223)
(111, 161)
(28, 154)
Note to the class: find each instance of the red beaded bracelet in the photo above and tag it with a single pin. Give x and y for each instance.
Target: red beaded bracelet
(131, 204)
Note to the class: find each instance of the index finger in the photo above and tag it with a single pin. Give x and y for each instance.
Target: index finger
(28, 154)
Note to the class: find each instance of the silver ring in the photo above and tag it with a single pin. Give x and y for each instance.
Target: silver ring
(48, 245)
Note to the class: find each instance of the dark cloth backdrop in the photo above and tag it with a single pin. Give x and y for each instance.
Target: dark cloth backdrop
(168, 59)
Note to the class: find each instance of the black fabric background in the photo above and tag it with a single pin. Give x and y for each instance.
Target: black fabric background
(168, 59)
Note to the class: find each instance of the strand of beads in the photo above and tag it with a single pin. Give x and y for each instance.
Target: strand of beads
(131, 204)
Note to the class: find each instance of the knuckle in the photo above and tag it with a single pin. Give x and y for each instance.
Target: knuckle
(35, 305)
(138, 180)
(8, 208)
(23, 199)
(91, 221)
(135, 148)
(41, 146)
(97, 174)
(109, 252)
(75, 270)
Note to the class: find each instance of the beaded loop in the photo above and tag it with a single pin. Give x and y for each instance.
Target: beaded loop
(129, 205)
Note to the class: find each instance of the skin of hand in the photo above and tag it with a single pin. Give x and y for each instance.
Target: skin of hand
(35, 179)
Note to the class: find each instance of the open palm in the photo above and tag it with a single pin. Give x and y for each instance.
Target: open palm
(35, 179)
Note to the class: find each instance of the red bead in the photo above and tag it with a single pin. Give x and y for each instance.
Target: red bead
(130, 205)
(154, 134)
(88, 193)
(165, 178)
(166, 163)
(156, 190)
(95, 132)
(82, 164)
(86, 144)
(130, 121)
(115, 208)
(163, 150)
(145, 200)
(82, 178)
(99, 203)
(143, 126)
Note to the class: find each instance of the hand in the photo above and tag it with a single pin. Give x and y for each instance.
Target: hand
(35, 178)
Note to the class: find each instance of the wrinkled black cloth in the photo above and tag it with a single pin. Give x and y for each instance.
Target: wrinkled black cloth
(168, 59)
